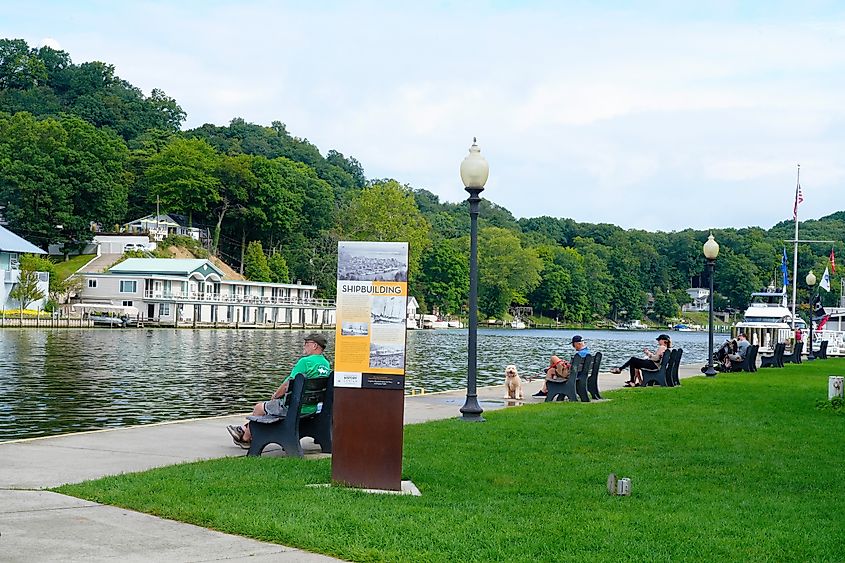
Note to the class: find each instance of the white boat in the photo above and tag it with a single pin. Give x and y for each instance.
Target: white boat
(768, 319)
(683, 328)
(516, 323)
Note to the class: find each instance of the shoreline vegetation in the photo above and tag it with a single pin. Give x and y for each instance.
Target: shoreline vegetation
(273, 206)
(741, 467)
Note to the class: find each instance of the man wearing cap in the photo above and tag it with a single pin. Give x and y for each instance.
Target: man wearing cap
(580, 349)
(650, 362)
(312, 364)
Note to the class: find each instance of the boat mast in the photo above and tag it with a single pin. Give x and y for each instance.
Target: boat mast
(795, 250)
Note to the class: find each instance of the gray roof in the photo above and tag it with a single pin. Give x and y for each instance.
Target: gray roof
(177, 266)
(10, 242)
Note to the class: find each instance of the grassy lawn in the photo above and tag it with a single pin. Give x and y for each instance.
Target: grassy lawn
(64, 269)
(741, 467)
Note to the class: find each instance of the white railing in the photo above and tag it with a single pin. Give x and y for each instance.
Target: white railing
(218, 298)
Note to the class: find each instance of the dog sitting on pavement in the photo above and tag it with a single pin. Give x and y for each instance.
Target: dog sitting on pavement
(513, 384)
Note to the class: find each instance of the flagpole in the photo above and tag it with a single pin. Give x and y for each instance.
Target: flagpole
(795, 250)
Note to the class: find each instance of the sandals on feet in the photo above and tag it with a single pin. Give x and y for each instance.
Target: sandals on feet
(615, 370)
(628, 384)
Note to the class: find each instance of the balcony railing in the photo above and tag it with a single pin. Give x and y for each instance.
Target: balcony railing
(225, 299)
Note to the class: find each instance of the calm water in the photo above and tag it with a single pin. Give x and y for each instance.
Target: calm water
(60, 381)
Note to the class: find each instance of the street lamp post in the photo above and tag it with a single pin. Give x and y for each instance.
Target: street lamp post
(711, 251)
(811, 282)
(474, 172)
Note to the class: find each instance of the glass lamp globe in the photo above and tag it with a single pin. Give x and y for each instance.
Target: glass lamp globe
(711, 248)
(474, 168)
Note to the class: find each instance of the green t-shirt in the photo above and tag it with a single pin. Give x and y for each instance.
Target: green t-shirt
(315, 365)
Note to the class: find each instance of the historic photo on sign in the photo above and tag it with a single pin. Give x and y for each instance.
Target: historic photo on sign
(354, 329)
(387, 355)
(372, 261)
(388, 309)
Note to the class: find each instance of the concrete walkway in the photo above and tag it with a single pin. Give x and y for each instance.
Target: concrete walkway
(36, 524)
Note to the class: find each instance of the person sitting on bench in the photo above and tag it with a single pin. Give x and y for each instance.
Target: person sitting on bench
(556, 364)
(312, 364)
(742, 345)
(650, 362)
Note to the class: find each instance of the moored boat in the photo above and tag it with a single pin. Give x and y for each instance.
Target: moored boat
(768, 320)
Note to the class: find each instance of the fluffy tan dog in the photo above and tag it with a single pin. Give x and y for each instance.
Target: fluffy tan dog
(513, 384)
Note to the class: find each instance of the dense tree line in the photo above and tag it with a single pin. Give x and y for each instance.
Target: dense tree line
(79, 145)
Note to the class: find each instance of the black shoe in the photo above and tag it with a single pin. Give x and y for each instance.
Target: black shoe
(540, 393)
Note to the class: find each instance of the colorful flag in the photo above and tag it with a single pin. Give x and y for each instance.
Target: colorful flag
(823, 320)
(785, 269)
(825, 283)
(799, 197)
(818, 310)
(832, 262)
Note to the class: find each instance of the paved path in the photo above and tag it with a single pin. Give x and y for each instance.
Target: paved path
(40, 525)
(101, 263)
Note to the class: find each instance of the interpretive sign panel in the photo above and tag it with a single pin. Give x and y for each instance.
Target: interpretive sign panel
(369, 404)
(372, 301)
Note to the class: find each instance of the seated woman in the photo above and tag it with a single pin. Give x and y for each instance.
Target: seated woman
(650, 362)
(554, 372)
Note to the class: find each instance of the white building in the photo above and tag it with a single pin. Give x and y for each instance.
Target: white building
(159, 226)
(11, 248)
(700, 300)
(176, 291)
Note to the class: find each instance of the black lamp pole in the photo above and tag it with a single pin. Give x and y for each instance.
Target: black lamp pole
(810, 355)
(472, 410)
(710, 372)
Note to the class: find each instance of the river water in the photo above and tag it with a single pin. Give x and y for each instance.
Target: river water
(59, 381)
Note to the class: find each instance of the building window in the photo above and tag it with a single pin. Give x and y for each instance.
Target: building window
(128, 286)
(164, 310)
(127, 303)
(92, 283)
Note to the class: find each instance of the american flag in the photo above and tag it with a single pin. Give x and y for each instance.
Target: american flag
(832, 262)
(799, 197)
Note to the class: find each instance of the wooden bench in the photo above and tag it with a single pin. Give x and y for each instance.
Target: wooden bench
(289, 430)
(795, 356)
(593, 379)
(658, 376)
(776, 359)
(560, 390)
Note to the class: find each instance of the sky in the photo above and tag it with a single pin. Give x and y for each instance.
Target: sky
(654, 115)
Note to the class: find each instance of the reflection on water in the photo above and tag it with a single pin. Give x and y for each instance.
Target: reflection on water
(60, 381)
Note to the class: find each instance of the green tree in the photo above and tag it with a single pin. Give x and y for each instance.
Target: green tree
(387, 212)
(58, 286)
(444, 278)
(26, 290)
(507, 272)
(665, 305)
(184, 176)
(255, 263)
(60, 173)
(237, 182)
(278, 268)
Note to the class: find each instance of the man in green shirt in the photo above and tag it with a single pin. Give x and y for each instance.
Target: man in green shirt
(312, 364)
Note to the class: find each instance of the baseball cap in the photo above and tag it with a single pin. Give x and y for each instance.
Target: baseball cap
(318, 338)
(576, 338)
